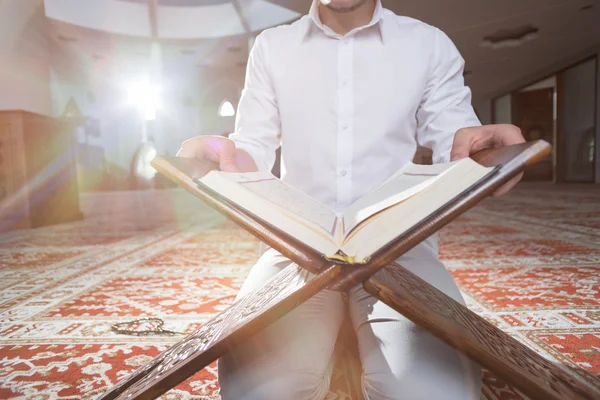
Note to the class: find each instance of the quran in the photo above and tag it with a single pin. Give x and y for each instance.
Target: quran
(352, 236)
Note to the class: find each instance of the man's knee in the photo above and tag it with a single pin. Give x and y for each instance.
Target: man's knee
(290, 359)
(416, 384)
(280, 385)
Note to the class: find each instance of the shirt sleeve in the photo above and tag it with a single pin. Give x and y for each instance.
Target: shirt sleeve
(257, 124)
(446, 104)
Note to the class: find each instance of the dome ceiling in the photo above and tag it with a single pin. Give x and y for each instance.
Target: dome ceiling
(175, 19)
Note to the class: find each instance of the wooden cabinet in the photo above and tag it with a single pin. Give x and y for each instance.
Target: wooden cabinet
(38, 175)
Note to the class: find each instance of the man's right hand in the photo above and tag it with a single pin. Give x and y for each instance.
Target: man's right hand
(220, 150)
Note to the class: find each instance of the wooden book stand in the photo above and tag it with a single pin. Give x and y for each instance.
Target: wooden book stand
(411, 296)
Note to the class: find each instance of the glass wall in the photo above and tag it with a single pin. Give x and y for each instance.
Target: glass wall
(577, 121)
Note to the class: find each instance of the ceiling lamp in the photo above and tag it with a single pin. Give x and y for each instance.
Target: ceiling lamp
(511, 37)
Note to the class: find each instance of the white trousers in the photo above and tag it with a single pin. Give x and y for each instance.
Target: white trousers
(292, 358)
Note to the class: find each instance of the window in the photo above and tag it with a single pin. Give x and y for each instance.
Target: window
(226, 109)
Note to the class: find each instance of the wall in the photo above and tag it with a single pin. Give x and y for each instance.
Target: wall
(107, 134)
(24, 58)
(484, 111)
(188, 103)
(543, 84)
(217, 85)
(189, 98)
(598, 117)
(120, 128)
(577, 119)
(503, 110)
(179, 116)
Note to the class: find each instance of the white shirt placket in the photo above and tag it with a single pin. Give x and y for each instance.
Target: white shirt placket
(345, 122)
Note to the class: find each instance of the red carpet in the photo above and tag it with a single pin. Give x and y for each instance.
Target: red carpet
(528, 262)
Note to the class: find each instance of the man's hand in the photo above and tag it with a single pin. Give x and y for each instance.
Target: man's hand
(220, 150)
(468, 141)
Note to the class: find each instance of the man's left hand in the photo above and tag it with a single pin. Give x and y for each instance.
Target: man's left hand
(468, 141)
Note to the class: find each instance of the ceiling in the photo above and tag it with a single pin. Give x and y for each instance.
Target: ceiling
(182, 3)
(565, 29)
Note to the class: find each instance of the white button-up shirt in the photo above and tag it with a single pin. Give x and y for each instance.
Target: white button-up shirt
(349, 111)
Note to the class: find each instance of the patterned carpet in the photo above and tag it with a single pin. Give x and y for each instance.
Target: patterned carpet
(528, 262)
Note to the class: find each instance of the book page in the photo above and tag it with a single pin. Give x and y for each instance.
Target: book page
(408, 181)
(391, 223)
(282, 206)
(293, 201)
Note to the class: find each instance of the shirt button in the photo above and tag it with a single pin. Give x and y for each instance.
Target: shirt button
(344, 173)
(344, 126)
(345, 82)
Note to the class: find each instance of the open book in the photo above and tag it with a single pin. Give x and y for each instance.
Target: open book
(405, 199)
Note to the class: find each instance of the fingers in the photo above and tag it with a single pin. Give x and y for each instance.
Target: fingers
(227, 155)
(508, 186)
(190, 148)
(463, 141)
(508, 135)
(212, 148)
(468, 141)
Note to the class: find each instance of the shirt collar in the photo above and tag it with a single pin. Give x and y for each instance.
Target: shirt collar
(315, 20)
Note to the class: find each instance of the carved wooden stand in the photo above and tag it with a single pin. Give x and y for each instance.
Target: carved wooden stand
(411, 296)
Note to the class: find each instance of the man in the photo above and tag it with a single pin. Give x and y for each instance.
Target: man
(349, 91)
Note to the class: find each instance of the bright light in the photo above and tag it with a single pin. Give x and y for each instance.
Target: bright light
(145, 156)
(144, 96)
(226, 109)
